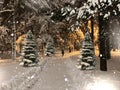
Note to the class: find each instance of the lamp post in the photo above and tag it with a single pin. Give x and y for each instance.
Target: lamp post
(14, 35)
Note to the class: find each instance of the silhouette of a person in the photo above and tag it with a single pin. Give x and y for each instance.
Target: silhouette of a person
(62, 52)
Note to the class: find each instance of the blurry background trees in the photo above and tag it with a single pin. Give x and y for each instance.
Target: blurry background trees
(65, 20)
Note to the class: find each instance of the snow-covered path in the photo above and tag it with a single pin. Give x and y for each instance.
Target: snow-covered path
(60, 73)
(55, 76)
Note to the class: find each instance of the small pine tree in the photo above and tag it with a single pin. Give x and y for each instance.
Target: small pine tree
(87, 57)
(49, 50)
(29, 52)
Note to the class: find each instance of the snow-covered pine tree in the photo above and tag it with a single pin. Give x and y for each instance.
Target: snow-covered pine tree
(29, 51)
(87, 57)
(49, 49)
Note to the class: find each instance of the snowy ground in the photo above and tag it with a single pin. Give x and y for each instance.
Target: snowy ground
(60, 73)
(9, 70)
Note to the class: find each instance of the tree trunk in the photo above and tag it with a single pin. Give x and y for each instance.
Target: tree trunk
(92, 29)
(106, 26)
(102, 41)
(108, 54)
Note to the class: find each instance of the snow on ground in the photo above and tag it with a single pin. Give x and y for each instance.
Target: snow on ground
(60, 73)
(22, 81)
(96, 79)
(25, 79)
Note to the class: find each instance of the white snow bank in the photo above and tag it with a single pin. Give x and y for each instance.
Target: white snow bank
(118, 6)
(25, 80)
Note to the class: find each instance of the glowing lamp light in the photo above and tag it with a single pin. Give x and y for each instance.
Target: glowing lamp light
(12, 34)
(102, 86)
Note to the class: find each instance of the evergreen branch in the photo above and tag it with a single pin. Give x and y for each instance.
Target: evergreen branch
(7, 10)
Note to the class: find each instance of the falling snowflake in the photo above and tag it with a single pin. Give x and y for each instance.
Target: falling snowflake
(66, 80)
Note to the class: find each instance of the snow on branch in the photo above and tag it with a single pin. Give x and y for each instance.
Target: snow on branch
(8, 10)
(118, 6)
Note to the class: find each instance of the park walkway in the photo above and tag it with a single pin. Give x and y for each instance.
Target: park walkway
(60, 73)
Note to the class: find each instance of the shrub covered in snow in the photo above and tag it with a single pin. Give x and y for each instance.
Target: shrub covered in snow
(49, 50)
(29, 51)
(87, 59)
